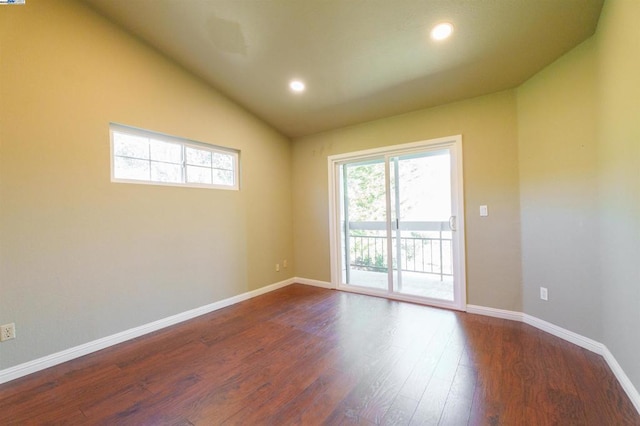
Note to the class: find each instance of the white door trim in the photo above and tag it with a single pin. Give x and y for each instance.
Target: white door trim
(454, 143)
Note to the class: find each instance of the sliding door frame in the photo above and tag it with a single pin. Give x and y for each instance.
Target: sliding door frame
(453, 143)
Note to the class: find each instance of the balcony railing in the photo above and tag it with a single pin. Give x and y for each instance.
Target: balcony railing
(424, 247)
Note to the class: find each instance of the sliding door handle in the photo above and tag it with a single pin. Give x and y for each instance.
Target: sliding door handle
(452, 223)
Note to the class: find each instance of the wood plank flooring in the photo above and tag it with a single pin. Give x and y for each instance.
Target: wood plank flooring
(304, 355)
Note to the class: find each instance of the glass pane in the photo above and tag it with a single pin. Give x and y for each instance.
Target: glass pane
(130, 146)
(422, 244)
(166, 151)
(425, 187)
(197, 174)
(198, 157)
(364, 224)
(223, 177)
(222, 161)
(129, 168)
(163, 172)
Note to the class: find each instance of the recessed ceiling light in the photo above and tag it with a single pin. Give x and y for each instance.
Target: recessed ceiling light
(441, 31)
(297, 86)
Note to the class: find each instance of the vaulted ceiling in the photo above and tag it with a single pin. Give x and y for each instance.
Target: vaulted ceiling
(360, 59)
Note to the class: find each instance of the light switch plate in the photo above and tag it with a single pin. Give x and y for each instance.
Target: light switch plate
(484, 211)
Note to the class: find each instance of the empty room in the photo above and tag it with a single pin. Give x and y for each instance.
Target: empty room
(273, 212)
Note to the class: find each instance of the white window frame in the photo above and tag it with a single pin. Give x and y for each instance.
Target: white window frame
(184, 143)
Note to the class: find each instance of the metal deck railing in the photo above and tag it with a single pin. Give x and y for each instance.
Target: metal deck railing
(424, 247)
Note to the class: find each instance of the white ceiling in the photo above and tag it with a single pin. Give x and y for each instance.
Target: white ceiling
(360, 59)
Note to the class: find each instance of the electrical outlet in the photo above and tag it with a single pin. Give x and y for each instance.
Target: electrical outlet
(277, 267)
(7, 332)
(544, 293)
(284, 263)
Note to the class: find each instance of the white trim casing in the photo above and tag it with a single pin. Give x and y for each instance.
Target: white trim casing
(622, 377)
(36, 365)
(453, 143)
(314, 283)
(493, 312)
(569, 336)
(184, 143)
(434, 303)
(564, 334)
(39, 364)
(334, 241)
(459, 244)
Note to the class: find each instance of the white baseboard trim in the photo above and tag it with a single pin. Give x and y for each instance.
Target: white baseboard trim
(626, 384)
(564, 334)
(493, 312)
(30, 367)
(569, 336)
(315, 283)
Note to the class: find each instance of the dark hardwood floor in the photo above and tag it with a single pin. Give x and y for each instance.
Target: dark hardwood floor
(304, 355)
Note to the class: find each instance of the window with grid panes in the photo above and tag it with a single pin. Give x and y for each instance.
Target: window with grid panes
(141, 156)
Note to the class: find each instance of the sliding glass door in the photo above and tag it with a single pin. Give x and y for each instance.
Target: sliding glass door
(395, 217)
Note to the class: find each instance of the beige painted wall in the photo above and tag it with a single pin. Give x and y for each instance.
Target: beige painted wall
(81, 257)
(489, 129)
(557, 116)
(619, 177)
